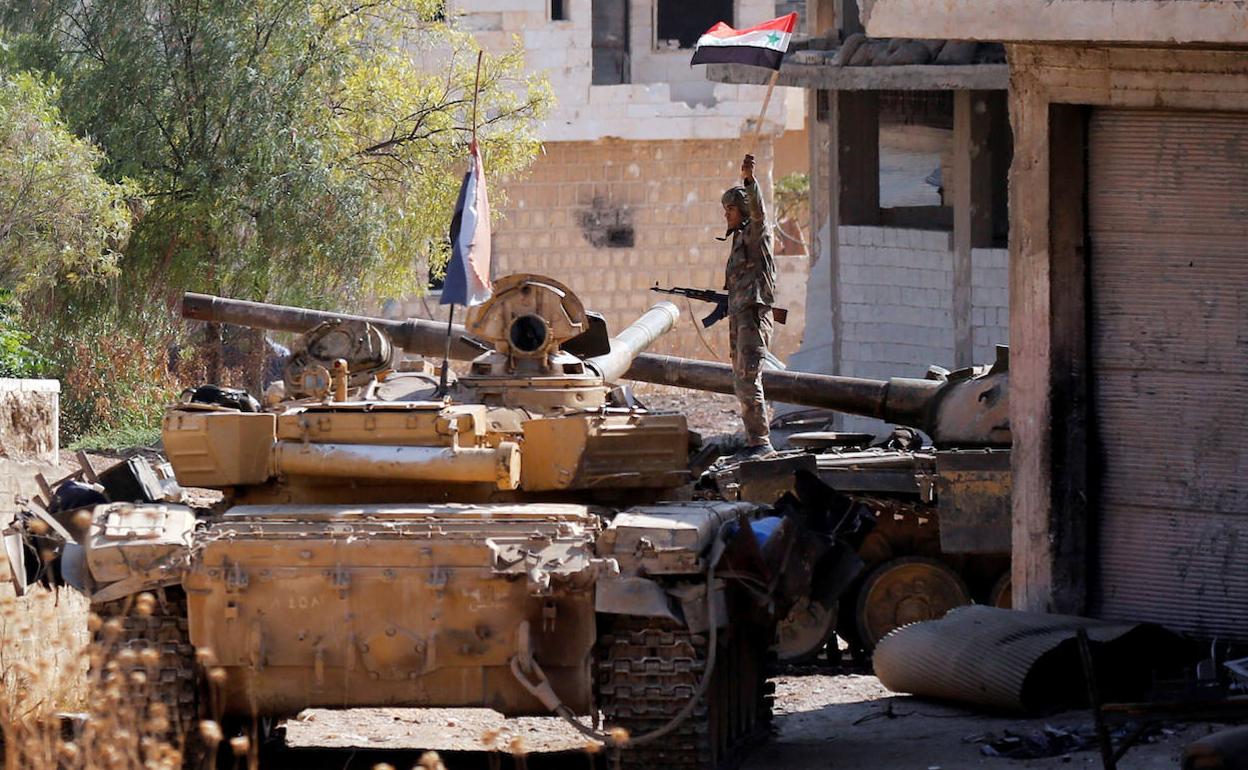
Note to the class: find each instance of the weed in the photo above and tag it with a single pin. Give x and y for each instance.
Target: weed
(125, 728)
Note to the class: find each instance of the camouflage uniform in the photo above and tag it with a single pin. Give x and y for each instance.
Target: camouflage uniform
(750, 279)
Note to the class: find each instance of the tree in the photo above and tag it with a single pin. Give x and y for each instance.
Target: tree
(302, 151)
(58, 219)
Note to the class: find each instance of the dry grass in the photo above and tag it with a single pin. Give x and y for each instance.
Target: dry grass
(42, 636)
(52, 664)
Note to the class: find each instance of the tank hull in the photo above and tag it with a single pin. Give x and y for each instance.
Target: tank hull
(340, 606)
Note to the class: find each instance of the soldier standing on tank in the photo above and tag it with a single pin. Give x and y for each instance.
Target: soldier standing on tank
(750, 280)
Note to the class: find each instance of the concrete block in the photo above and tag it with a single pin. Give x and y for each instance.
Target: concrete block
(545, 59)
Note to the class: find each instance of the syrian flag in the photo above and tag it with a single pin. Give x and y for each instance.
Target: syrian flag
(468, 272)
(762, 46)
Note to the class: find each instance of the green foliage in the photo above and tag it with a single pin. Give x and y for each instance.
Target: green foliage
(58, 219)
(298, 151)
(17, 358)
(793, 196)
(304, 151)
(124, 437)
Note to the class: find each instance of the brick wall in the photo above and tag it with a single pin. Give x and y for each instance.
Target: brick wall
(664, 97)
(575, 214)
(568, 218)
(896, 294)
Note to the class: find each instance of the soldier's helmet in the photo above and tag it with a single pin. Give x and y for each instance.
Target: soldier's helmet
(736, 196)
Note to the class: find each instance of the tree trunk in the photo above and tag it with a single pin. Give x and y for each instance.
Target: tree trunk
(255, 363)
(215, 347)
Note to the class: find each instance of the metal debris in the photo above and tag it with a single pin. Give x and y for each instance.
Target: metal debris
(1052, 741)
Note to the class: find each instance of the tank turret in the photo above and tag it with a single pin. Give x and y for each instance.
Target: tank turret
(529, 416)
(968, 407)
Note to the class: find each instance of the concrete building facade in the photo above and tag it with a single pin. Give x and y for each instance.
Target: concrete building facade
(625, 193)
(1129, 370)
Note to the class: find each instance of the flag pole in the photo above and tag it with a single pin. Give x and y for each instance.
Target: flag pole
(444, 379)
(758, 127)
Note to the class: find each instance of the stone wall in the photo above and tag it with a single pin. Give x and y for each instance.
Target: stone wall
(29, 422)
(29, 416)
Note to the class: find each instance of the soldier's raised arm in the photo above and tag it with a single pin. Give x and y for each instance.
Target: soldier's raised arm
(758, 212)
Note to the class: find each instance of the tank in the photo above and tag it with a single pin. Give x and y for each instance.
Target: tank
(938, 482)
(939, 485)
(523, 539)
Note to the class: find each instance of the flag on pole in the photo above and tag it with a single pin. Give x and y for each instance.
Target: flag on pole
(763, 45)
(468, 272)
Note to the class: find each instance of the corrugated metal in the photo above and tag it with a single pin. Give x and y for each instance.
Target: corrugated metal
(1017, 661)
(1168, 222)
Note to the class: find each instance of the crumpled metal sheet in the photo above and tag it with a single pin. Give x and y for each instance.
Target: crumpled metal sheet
(1021, 661)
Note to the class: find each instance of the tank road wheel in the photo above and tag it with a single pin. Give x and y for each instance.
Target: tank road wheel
(649, 668)
(153, 640)
(907, 590)
(805, 631)
(1002, 594)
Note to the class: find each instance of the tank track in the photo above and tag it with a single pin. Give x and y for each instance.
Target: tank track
(175, 679)
(649, 668)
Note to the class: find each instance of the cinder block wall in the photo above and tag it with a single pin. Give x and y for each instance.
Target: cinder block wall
(573, 216)
(990, 301)
(896, 313)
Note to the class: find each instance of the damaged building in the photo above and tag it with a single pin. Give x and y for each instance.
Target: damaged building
(640, 146)
(909, 151)
(1127, 300)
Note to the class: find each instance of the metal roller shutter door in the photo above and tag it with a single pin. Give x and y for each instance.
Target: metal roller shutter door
(1168, 221)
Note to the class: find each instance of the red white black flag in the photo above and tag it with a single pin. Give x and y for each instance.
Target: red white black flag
(763, 45)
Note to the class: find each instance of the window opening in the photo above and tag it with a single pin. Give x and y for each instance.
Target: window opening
(609, 19)
(679, 23)
(558, 10)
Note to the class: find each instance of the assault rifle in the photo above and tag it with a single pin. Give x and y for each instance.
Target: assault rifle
(721, 303)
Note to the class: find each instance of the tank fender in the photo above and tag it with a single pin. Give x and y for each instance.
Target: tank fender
(134, 547)
(693, 605)
(636, 596)
(668, 538)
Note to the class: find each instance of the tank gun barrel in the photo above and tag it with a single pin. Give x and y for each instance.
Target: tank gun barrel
(628, 345)
(897, 400)
(963, 409)
(427, 338)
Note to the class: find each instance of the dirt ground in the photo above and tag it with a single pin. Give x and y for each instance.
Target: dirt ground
(707, 413)
(823, 720)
